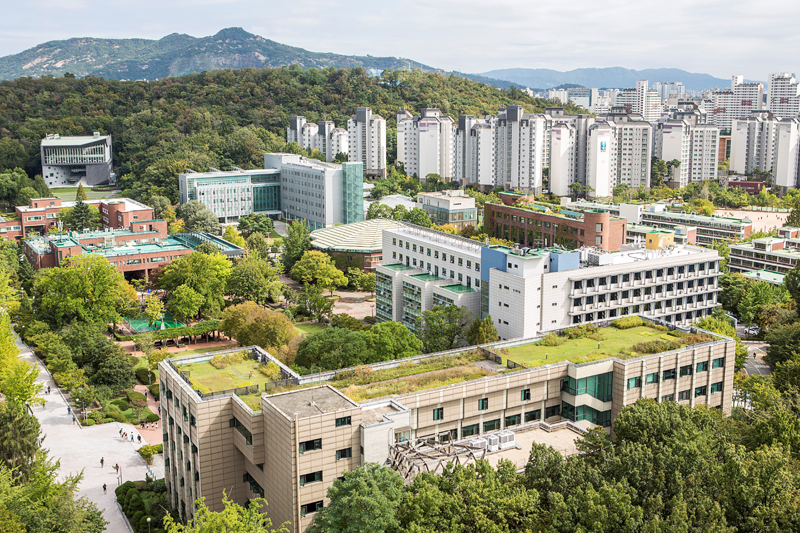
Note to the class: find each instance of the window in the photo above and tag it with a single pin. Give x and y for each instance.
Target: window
(513, 420)
(718, 363)
(314, 477)
(634, 383)
(716, 387)
(469, 431)
(310, 445)
(598, 239)
(346, 453)
(532, 416)
(702, 366)
(669, 374)
(438, 413)
(552, 411)
(668, 398)
(577, 284)
(491, 425)
(686, 370)
(684, 395)
(483, 404)
(525, 395)
(343, 421)
(614, 279)
(310, 508)
(651, 378)
(700, 391)
(598, 226)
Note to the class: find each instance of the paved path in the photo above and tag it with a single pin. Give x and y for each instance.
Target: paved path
(755, 365)
(152, 435)
(80, 449)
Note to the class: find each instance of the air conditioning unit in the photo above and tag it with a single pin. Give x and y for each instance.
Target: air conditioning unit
(478, 443)
(506, 439)
(494, 443)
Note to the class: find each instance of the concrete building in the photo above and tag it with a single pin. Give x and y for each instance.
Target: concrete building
(70, 161)
(667, 88)
(359, 244)
(324, 136)
(638, 234)
(291, 186)
(474, 151)
(290, 447)
(770, 277)
(694, 145)
(640, 100)
(449, 207)
(425, 143)
(770, 144)
(776, 254)
(629, 163)
(302, 132)
(366, 141)
(783, 96)
(738, 102)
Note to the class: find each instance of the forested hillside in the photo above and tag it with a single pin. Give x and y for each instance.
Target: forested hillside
(220, 118)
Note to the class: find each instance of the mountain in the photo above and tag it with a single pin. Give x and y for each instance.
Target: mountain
(613, 77)
(175, 55)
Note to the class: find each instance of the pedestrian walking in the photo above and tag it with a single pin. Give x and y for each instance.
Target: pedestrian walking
(69, 409)
(120, 432)
(102, 462)
(73, 420)
(105, 488)
(116, 467)
(139, 438)
(131, 437)
(142, 424)
(159, 410)
(48, 389)
(145, 394)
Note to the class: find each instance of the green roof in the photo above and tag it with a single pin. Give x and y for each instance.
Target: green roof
(427, 277)
(765, 275)
(458, 288)
(398, 267)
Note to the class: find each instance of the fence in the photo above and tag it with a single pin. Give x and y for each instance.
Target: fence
(512, 365)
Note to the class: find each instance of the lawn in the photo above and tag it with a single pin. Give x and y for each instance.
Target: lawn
(613, 343)
(67, 194)
(200, 350)
(206, 378)
(308, 329)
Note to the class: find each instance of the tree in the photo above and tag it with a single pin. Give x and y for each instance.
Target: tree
(20, 439)
(399, 212)
(232, 236)
(81, 217)
(258, 244)
(185, 303)
(256, 222)
(255, 280)
(232, 519)
(206, 274)
(317, 268)
(333, 348)
(316, 303)
(419, 217)
(160, 204)
(366, 499)
(378, 210)
(197, 217)
(793, 220)
(25, 194)
(758, 295)
(296, 243)
(391, 340)
(575, 189)
(154, 308)
(81, 195)
(792, 283)
(722, 326)
(481, 331)
(85, 288)
(340, 158)
(443, 327)
(250, 324)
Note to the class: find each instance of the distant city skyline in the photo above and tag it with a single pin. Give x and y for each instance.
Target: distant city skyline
(468, 35)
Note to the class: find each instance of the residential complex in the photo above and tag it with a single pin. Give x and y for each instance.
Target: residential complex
(69, 161)
(449, 207)
(425, 143)
(324, 136)
(738, 102)
(641, 100)
(289, 447)
(693, 145)
(783, 95)
(769, 143)
(366, 141)
(297, 188)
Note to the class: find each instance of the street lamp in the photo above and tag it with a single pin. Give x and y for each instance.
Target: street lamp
(148, 524)
(83, 404)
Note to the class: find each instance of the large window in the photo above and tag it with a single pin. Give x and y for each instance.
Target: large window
(310, 445)
(552, 411)
(716, 387)
(669, 374)
(525, 395)
(718, 363)
(634, 383)
(310, 508)
(700, 391)
(513, 420)
(585, 412)
(702, 366)
(491, 425)
(686, 370)
(469, 431)
(598, 386)
(532, 416)
(651, 378)
(684, 395)
(345, 453)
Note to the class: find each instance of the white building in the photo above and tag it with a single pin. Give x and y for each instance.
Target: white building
(70, 161)
(367, 141)
(667, 88)
(737, 102)
(474, 157)
(629, 163)
(324, 136)
(783, 98)
(641, 100)
(694, 145)
(302, 133)
(425, 143)
(770, 144)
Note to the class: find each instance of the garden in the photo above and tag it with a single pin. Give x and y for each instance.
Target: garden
(141, 500)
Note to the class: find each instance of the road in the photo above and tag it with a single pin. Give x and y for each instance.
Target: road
(756, 366)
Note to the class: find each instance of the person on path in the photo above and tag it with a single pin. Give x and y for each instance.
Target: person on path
(116, 467)
(131, 437)
(48, 389)
(159, 410)
(102, 462)
(139, 438)
(69, 409)
(73, 420)
(120, 432)
(145, 394)
(105, 488)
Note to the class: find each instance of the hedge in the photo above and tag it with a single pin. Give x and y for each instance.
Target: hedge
(88, 422)
(154, 391)
(145, 377)
(201, 328)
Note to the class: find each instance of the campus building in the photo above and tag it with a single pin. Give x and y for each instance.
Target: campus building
(775, 254)
(253, 440)
(69, 161)
(449, 207)
(425, 143)
(359, 244)
(366, 141)
(291, 186)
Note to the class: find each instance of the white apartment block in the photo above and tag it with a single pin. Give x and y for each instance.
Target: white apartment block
(474, 151)
(324, 136)
(302, 133)
(768, 143)
(705, 143)
(783, 97)
(425, 143)
(737, 102)
(641, 100)
(694, 145)
(667, 88)
(366, 134)
(601, 159)
(633, 148)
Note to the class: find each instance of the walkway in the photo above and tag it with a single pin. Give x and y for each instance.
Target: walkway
(80, 449)
(154, 434)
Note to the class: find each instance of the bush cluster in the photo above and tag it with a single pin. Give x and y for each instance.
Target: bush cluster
(628, 322)
(223, 361)
(145, 376)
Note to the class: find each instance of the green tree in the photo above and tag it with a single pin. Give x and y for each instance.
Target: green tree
(12, 154)
(722, 326)
(206, 274)
(296, 243)
(391, 340)
(85, 288)
(481, 331)
(255, 280)
(25, 194)
(758, 295)
(154, 308)
(258, 244)
(232, 519)
(375, 491)
(419, 217)
(197, 217)
(318, 268)
(160, 204)
(399, 213)
(186, 303)
(443, 327)
(255, 222)
(333, 348)
(250, 324)
(792, 283)
(81, 217)
(379, 210)
(81, 195)
(19, 439)
(793, 220)
(232, 236)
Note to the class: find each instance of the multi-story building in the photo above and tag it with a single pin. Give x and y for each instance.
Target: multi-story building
(738, 102)
(449, 207)
(359, 244)
(627, 157)
(783, 95)
(639, 234)
(366, 141)
(302, 132)
(297, 188)
(69, 161)
(768, 143)
(640, 100)
(667, 88)
(135, 251)
(425, 143)
(693, 145)
(290, 447)
(324, 136)
(474, 151)
(776, 254)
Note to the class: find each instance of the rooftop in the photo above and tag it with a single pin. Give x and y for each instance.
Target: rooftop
(364, 237)
(458, 288)
(183, 241)
(310, 402)
(58, 140)
(765, 275)
(427, 277)
(398, 267)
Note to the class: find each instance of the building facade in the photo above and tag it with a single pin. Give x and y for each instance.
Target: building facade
(449, 207)
(366, 141)
(425, 143)
(70, 161)
(783, 96)
(768, 143)
(778, 255)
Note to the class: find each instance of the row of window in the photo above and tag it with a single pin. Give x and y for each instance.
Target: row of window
(646, 274)
(672, 373)
(453, 257)
(316, 444)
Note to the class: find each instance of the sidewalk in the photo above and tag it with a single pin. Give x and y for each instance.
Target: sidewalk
(154, 435)
(81, 449)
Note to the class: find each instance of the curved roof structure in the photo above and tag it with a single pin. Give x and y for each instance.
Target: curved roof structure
(361, 237)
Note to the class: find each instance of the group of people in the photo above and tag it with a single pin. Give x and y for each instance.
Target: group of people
(124, 435)
(149, 425)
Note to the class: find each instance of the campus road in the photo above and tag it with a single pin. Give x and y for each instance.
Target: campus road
(80, 449)
(755, 365)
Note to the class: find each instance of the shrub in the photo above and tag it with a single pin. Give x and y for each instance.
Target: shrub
(88, 422)
(97, 416)
(140, 485)
(122, 491)
(137, 517)
(271, 370)
(152, 417)
(143, 525)
(144, 376)
(147, 451)
(136, 398)
(108, 420)
(551, 339)
(154, 391)
(370, 319)
(116, 416)
(222, 361)
(159, 449)
(628, 322)
(121, 404)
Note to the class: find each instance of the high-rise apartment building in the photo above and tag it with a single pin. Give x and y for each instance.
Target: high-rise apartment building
(695, 145)
(474, 151)
(667, 88)
(366, 141)
(641, 100)
(425, 143)
(629, 163)
(324, 136)
(783, 96)
(771, 144)
(737, 102)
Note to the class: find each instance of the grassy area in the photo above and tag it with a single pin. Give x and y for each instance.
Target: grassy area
(206, 378)
(200, 350)
(606, 342)
(307, 329)
(67, 194)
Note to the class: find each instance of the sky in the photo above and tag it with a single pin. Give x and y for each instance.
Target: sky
(717, 37)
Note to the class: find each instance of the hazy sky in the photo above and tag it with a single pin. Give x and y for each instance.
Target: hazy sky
(719, 37)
